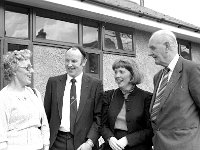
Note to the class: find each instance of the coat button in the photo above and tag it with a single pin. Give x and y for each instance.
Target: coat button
(128, 109)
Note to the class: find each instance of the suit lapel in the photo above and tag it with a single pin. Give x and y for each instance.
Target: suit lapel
(60, 92)
(84, 95)
(117, 103)
(173, 80)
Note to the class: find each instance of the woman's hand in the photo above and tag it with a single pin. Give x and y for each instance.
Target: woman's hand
(46, 147)
(113, 142)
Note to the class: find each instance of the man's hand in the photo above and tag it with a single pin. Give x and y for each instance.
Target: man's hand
(85, 146)
(123, 142)
(113, 142)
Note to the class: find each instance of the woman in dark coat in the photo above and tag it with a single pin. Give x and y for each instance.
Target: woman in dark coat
(125, 112)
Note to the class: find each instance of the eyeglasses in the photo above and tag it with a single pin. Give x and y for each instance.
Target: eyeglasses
(28, 68)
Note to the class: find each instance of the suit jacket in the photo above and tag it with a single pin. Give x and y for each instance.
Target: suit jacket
(139, 134)
(88, 118)
(177, 126)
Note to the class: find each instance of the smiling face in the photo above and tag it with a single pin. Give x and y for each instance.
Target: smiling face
(24, 72)
(122, 78)
(74, 62)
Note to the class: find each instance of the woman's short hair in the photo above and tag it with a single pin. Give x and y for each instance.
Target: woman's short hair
(11, 61)
(132, 67)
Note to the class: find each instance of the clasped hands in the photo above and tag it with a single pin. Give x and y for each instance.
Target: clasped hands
(118, 144)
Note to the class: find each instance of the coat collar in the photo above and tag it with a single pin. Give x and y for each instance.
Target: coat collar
(118, 101)
(60, 91)
(84, 95)
(176, 74)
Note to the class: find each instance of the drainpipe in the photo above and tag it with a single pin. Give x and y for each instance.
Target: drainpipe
(142, 3)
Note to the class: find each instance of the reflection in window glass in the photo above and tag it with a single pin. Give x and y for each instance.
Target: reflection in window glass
(1, 73)
(118, 40)
(12, 47)
(16, 24)
(92, 65)
(57, 30)
(185, 52)
(90, 37)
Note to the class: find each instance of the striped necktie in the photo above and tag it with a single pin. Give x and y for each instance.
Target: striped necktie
(160, 92)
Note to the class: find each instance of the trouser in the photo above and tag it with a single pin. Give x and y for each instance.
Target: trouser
(64, 141)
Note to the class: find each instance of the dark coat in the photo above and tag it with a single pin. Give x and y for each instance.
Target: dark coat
(89, 113)
(177, 126)
(137, 117)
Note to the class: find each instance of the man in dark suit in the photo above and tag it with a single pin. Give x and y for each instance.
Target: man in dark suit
(77, 127)
(176, 100)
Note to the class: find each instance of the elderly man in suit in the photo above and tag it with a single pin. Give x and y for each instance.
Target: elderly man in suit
(175, 105)
(73, 105)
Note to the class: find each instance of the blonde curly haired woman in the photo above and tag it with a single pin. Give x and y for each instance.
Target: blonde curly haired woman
(23, 124)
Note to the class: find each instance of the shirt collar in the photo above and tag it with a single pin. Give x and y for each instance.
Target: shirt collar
(78, 78)
(172, 64)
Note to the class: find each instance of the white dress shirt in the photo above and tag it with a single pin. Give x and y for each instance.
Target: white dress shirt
(172, 65)
(65, 121)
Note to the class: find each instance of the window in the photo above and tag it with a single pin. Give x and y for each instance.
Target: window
(1, 70)
(92, 65)
(118, 39)
(90, 34)
(56, 26)
(184, 48)
(16, 21)
(12, 47)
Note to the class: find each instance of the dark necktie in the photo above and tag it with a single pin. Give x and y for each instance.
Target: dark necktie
(160, 92)
(73, 105)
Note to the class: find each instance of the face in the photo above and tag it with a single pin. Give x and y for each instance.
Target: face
(122, 78)
(74, 62)
(158, 52)
(24, 72)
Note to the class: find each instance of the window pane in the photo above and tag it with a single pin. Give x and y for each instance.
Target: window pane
(185, 52)
(92, 65)
(118, 40)
(1, 70)
(12, 47)
(90, 37)
(57, 30)
(16, 22)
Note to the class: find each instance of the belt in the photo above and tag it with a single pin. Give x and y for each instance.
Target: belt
(68, 135)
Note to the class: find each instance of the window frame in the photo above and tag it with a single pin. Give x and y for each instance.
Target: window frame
(185, 43)
(95, 24)
(2, 18)
(29, 9)
(57, 16)
(100, 66)
(1, 70)
(123, 29)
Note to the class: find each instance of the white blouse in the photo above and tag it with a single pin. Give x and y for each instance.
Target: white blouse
(23, 122)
